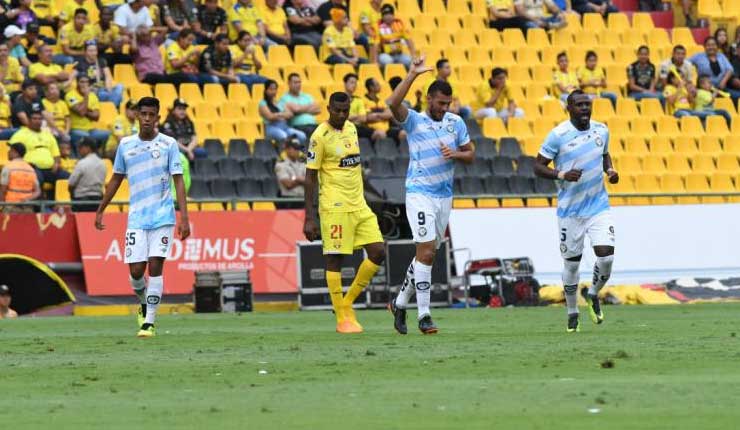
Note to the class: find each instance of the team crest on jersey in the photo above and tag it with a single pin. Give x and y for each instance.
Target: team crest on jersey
(128, 252)
(156, 154)
(337, 244)
(599, 141)
(563, 248)
(422, 231)
(347, 144)
(450, 129)
(311, 156)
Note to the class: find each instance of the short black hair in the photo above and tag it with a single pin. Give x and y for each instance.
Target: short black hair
(439, 86)
(220, 37)
(643, 47)
(710, 38)
(679, 48)
(242, 34)
(339, 97)
(369, 83)
(498, 71)
(293, 75)
(441, 62)
(185, 32)
(148, 102)
(573, 95)
(80, 11)
(89, 142)
(394, 82)
(561, 55)
(591, 54)
(82, 77)
(349, 76)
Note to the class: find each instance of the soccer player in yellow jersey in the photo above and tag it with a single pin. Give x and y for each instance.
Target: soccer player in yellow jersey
(347, 223)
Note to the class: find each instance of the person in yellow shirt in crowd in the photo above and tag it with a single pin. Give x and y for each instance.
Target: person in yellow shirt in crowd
(368, 24)
(123, 125)
(502, 15)
(11, 76)
(67, 13)
(444, 73)
(72, 38)
(357, 111)
(66, 161)
(58, 109)
(109, 5)
(6, 127)
(564, 81)
(34, 41)
(706, 93)
(592, 79)
(680, 100)
(85, 108)
(42, 150)
(339, 41)
(45, 72)
(392, 38)
(44, 10)
(378, 115)
(494, 97)
(244, 15)
(107, 34)
(246, 63)
(183, 58)
(18, 183)
(276, 23)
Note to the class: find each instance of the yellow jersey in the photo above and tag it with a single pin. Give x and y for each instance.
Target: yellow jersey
(5, 112)
(392, 37)
(485, 92)
(584, 74)
(67, 13)
(41, 146)
(42, 69)
(81, 122)
(569, 79)
(344, 40)
(681, 102)
(336, 156)
(120, 127)
(67, 164)
(245, 66)
(371, 17)
(59, 110)
(357, 107)
(42, 8)
(175, 52)
(70, 37)
(274, 20)
(248, 17)
(106, 37)
(13, 76)
(372, 106)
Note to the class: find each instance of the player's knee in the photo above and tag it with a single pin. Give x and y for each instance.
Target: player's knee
(376, 253)
(570, 272)
(425, 255)
(137, 271)
(156, 266)
(604, 251)
(605, 266)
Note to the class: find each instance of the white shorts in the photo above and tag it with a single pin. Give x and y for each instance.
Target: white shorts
(144, 244)
(573, 231)
(428, 217)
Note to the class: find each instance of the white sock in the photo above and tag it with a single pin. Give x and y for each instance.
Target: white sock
(602, 272)
(423, 275)
(407, 289)
(570, 284)
(153, 297)
(139, 286)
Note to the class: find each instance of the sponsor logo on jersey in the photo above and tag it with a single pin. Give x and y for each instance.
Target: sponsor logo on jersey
(165, 239)
(350, 161)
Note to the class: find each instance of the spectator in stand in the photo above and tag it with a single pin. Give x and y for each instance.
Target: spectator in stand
(5, 298)
(533, 12)
(66, 161)
(305, 26)
(679, 65)
(25, 14)
(45, 71)
(33, 41)
(276, 23)
(108, 35)
(45, 13)
(131, 16)
(444, 73)
(13, 38)
(723, 42)
(564, 81)
(603, 7)
(705, 96)
(392, 37)
(276, 116)
(72, 38)
(177, 15)
(566, 7)
(6, 127)
(291, 171)
(216, 61)
(123, 125)
(183, 60)
(181, 128)
(642, 76)
(11, 75)
(686, 9)
(101, 78)
(302, 105)
(18, 183)
(339, 41)
(109, 5)
(244, 15)
(85, 111)
(147, 58)
(357, 112)
(55, 106)
(42, 150)
(211, 22)
(495, 98)
(324, 12)
(592, 79)
(67, 11)
(369, 20)
(246, 63)
(378, 114)
(714, 64)
(24, 104)
(88, 178)
(678, 99)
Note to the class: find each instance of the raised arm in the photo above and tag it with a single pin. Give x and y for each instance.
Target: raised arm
(395, 101)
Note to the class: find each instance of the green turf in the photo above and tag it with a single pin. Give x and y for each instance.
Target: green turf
(673, 367)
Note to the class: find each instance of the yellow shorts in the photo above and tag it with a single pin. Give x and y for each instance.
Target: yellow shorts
(343, 232)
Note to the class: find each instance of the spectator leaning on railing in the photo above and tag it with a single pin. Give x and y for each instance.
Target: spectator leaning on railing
(88, 178)
(18, 180)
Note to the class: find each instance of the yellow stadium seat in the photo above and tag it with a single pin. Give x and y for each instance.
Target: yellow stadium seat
(369, 71)
(519, 128)
(671, 183)
(629, 164)
(647, 183)
(678, 163)
(212, 207)
(107, 114)
(615, 145)
(593, 22)
(562, 39)
(553, 109)
(165, 92)
(633, 38)
(703, 163)
(542, 73)
(574, 22)
(465, 73)
(691, 126)
(512, 202)
(635, 145)
(720, 183)
(617, 22)
(660, 145)
(519, 75)
(604, 54)
(279, 55)
(627, 108)
(191, 93)
(536, 90)
(727, 163)
(455, 56)
(683, 36)
(550, 56)
(320, 73)
(341, 70)
(451, 23)
(248, 130)
(61, 191)
(709, 9)
(425, 22)
(223, 129)
(616, 75)
(473, 23)
(272, 71)
(490, 38)
(653, 164)
(732, 144)
(542, 125)
(494, 128)
(440, 38)
(532, 146)
(717, 127)
(202, 129)
(108, 169)
(503, 55)
(434, 7)
(299, 69)
(479, 56)
(489, 203)
(609, 39)
(658, 39)
(264, 206)
(139, 91)
(464, 39)
(243, 206)
(513, 38)
(538, 202)
(214, 94)
(685, 145)
(238, 93)
(393, 70)
(231, 110)
(306, 55)
(537, 38)
(586, 39)
(726, 104)
(642, 21)
(651, 108)
(463, 204)
(642, 127)
(527, 56)
(710, 145)
(668, 127)
(602, 109)
(125, 74)
(193, 206)
(206, 111)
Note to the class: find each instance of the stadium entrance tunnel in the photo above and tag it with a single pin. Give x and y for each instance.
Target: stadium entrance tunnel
(33, 285)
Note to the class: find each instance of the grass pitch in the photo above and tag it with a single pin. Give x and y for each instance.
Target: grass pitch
(669, 367)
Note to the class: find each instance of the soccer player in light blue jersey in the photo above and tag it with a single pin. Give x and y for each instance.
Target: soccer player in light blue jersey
(436, 138)
(149, 160)
(580, 149)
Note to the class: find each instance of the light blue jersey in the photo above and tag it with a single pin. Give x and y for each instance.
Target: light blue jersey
(429, 173)
(571, 148)
(149, 166)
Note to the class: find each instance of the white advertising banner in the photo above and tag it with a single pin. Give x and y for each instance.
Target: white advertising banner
(653, 243)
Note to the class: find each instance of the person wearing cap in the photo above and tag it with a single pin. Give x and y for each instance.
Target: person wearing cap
(276, 23)
(72, 38)
(210, 22)
(132, 15)
(101, 78)
(6, 127)
(42, 150)
(5, 299)
(45, 71)
(88, 178)
(216, 61)
(85, 108)
(244, 15)
(18, 180)
(393, 37)
(181, 128)
(24, 104)
(55, 106)
(11, 75)
(339, 41)
(13, 38)
(123, 125)
(291, 171)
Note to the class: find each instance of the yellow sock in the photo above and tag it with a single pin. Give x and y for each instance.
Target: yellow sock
(364, 274)
(334, 282)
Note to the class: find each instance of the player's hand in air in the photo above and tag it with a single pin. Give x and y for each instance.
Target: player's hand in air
(418, 67)
(183, 229)
(613, 176)
(99, 221)
(573, 175)
(447, 153)
(311, 229)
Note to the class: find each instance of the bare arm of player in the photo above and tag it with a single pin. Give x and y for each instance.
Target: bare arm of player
(395, 101)
(310, 224)
(542, 169)
(183, 228)
(609, 169)
(110, 191)
(465, 153)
